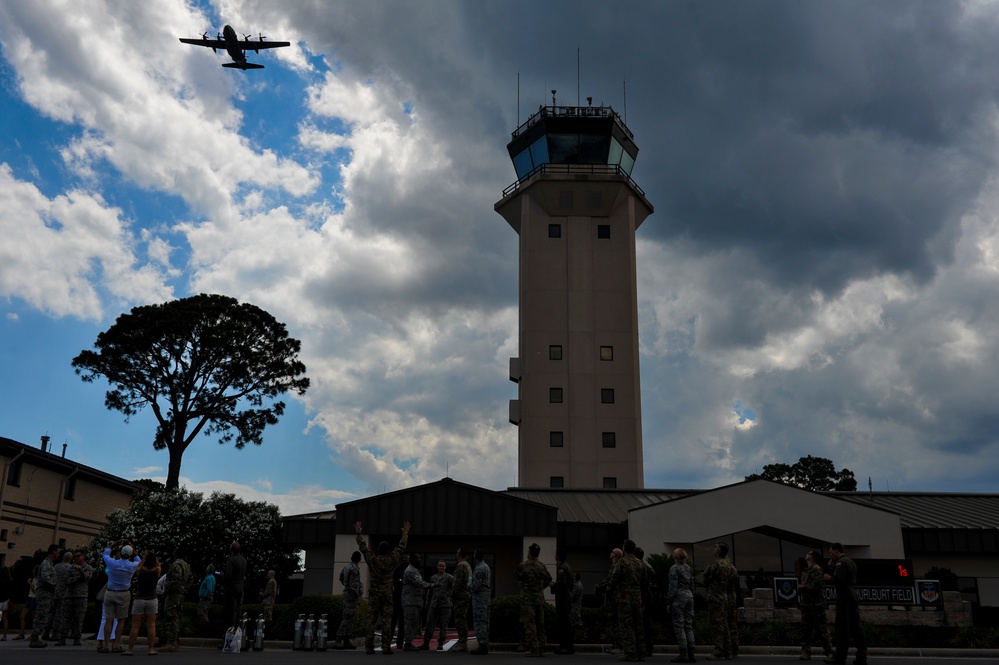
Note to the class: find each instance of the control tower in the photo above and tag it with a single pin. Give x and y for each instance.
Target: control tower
(576, 209)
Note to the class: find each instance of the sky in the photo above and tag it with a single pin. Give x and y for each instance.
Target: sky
(820, 276)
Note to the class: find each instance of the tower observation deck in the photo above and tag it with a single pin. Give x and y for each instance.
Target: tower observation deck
(576, 208)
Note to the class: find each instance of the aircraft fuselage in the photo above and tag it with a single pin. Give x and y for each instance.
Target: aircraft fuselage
(232, 46)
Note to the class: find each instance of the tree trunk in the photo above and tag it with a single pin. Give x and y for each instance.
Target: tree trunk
(173, 472)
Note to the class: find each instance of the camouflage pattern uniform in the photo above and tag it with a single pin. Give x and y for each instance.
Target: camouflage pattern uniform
(625, 584)
(814, 625)
(350, 577)
(718, 579)
(461, 596)
(441, 586)
(177, 582)
(609, 612)
(44, 591)
(680, 599)
(730, 608)
(413, 586)
(534, 578)
(480, 588)
(268, 597)
(62, 576)
(380, 569)
(74, 605)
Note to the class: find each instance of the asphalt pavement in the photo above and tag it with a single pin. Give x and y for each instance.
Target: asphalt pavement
(204, 652)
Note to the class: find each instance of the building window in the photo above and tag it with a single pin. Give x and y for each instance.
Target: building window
(556, 481)
(607, 353)
(610, 483)
(609, 439)
(3, 535)
(14, 474)
(555, 395)
(70, 494)
(554, 230)
(555, 352)
(603, 231)
(606, 395)
(555, 439)
(62, 543)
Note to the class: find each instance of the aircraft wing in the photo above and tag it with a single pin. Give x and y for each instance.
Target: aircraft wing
(252, 45)
(210, 43)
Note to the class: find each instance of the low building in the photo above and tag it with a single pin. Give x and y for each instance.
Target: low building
(46, 498)
(768, 526)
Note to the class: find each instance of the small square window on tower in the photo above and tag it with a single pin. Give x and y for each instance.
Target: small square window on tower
(609, 439)
(554, 230)
(556, 481)
(610, 483)
(555, 352)
(555, 439)
(606, 395)
(603, 231)
(607, 353)
(555, 395)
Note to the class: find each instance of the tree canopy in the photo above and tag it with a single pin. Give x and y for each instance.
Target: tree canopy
(207, 363)
(204, 528)
(811, 473)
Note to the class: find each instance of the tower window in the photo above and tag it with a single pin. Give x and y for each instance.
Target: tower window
(609, 439)
(555, 439)
(603, 231)
(556, 481)
(607, 353)
(554, 230)
(606, 395)
(555, 352)
(555, 395)
(70, 494)
(610, 483)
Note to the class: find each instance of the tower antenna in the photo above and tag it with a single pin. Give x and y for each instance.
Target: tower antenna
(518, 99)
(626, 101)
(577, 75)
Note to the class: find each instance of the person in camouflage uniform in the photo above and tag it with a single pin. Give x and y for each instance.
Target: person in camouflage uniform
(844, 576)
(350, 578)
(74, 604)
(44, 590)
(562, 587)
(480, 586)
(647, 594)
(461, 597)
(626, 585)
(441, 588)
(609, 610)
(381, 565)
(413, 591)
(268, 596)
(62, 575)
(730, 609)
(718, 580)
(680, 605)
(534, 578)
(814, 625)
(178, 580)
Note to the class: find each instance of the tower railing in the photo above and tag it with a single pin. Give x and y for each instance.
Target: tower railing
(580, 169)
(571, 112)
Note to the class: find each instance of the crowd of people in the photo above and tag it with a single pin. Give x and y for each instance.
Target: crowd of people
(400, 600)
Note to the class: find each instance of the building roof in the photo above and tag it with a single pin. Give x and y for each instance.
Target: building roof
(597, 506)
(916, 510)
(926, 510)
(49, 460)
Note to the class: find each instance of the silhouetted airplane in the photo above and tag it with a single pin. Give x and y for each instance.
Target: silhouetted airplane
(235, 48)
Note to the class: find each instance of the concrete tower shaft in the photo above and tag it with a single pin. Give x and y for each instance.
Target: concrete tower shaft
(576, 210)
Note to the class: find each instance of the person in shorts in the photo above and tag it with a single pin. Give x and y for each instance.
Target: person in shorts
(145, 604)
(120, 566)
